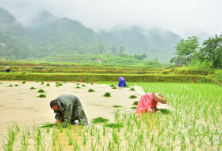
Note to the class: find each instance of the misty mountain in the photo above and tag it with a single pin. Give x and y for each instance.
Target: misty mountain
(53, 36)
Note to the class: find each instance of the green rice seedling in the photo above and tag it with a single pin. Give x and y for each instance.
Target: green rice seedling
(132, 89)
(91, 90)
(17, 128)
(59, 126)
(135, 102)
(98, 136)
(42, 96)
(54, 137)
(24, 142)
(41, 91)
(58, 84)
(76, 147)
(48, 125)
(69, 126)
(91, 83)
(107, 94)
(93, 146)
(69, 137)
(0, 82)
(134, 107)
(38, 138)
(104, 130)
(42, 83)
(114, 87)
(8, 146)
(117, 115)
(60, 146)
(114, 125)
(78, 84)
(117, 106)
(83, 85)
(48, 84)
(84, 138)
(23, 82)
(37, 81)
(133, 96)
(115, 136)
(27, 131)
(16, 85)
(100, 120)
(32, 88)
(10, 85)
(77, 87)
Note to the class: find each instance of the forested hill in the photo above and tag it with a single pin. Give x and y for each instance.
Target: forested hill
(52, 36)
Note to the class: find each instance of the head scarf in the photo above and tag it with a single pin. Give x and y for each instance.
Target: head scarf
(145, 103)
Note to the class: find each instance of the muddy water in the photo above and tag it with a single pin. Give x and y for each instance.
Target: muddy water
(20, 105)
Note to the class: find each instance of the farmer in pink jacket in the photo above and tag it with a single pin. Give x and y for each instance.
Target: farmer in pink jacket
(150, 101)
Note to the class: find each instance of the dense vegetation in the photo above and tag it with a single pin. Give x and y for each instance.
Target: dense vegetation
(188, 52)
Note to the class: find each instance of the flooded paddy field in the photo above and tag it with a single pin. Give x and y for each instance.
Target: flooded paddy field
(194, 123)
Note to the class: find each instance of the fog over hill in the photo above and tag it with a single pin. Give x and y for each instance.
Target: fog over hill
(49, 35)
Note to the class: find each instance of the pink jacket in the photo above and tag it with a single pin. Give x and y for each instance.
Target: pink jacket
(145, 103)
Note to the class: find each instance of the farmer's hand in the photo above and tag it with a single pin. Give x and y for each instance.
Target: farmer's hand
(57, 121)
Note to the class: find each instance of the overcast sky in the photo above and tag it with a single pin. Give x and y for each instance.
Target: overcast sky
(179, 16)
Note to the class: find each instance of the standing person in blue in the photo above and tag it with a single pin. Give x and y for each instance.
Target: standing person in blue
(122, 82)
(68, 108)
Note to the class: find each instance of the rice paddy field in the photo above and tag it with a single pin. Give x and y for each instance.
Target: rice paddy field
(193, 123)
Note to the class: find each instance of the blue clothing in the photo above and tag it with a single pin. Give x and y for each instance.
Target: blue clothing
(122, 82)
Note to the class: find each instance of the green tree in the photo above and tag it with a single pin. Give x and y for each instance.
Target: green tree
(121, 49)
(212, 51)
(100, 48)
(186, 47)
(114, 49)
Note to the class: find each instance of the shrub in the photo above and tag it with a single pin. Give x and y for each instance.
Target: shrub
(42, 96)
(23, 82)
(132, 89)
(48, 84)
(100, 120)
(42, 83)
(41, 91)
(91, 90)
(107, 94)
(32, 88)
(77, 87)
(133, 96)
(135, 102)
(114, 125)
(116, 106)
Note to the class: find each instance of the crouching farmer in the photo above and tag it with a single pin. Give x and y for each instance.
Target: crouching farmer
(68, 108)
(150, 101)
